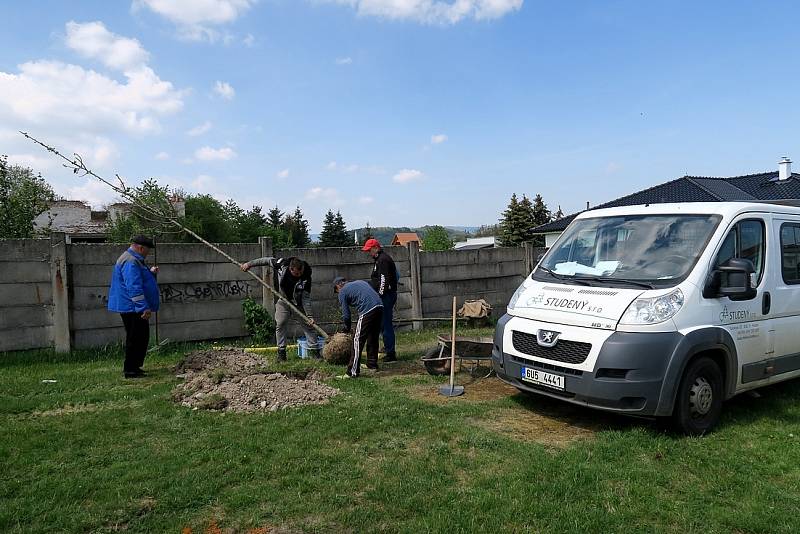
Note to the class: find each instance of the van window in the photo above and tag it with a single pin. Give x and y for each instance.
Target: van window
(657, 250)
(746, 241)
(790, 253)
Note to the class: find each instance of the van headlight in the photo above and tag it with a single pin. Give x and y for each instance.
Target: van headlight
(515, 297)
(653, 310)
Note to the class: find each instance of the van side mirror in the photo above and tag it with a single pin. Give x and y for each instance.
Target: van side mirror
(731, 280)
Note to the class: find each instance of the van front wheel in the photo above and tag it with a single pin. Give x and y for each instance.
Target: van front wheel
(699, 401)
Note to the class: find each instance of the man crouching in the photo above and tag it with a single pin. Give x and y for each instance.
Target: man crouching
(362, 297)
(292, 278)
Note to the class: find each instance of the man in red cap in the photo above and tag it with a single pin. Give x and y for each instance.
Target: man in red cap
(384, 280)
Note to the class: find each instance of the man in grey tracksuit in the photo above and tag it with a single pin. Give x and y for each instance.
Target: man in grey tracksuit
(367, 303)
(292, 278)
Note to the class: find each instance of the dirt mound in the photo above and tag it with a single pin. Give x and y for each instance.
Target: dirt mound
(234, 380)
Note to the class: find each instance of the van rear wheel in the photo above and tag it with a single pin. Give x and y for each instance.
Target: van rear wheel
(699, 401)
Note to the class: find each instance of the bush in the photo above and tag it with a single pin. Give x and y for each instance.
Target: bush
(259, 323)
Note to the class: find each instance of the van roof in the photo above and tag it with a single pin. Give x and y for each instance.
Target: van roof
(726, 209)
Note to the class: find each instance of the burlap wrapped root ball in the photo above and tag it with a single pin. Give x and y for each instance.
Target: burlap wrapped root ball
(338, 348)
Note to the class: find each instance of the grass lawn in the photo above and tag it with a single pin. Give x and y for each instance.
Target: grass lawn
(95, 453)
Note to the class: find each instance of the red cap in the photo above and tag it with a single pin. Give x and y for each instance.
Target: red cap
(371, 243)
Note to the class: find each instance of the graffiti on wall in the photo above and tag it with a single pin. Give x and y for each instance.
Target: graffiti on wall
(194, 292)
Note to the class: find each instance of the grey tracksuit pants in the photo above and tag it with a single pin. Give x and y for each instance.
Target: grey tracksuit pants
(283, 314)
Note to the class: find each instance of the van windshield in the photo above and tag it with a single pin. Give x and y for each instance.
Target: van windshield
(635, 250)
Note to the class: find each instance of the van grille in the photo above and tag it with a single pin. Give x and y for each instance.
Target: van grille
(564, 351)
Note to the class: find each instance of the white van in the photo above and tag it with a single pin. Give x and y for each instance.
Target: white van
(662, 310)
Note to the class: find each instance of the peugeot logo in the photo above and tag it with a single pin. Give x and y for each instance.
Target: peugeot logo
(547, 338)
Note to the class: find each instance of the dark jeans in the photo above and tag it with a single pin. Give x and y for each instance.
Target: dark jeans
(367, 332)
(389, 300)
(137, 338)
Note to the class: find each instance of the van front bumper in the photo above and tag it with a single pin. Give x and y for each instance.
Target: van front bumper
(628, 375)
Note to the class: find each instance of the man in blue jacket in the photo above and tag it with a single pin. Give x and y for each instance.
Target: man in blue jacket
(134, 295)
(362, 297)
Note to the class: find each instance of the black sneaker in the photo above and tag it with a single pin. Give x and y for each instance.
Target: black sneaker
(390, 357)
(132, 374)
(282, 354)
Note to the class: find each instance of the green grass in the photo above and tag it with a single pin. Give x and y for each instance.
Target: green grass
(93, 452)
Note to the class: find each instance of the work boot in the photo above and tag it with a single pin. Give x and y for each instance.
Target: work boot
(314, 353)
(281, 354)
(390, 357)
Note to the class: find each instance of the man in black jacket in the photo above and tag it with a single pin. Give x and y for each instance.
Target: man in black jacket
(292, 278)
(384, 280)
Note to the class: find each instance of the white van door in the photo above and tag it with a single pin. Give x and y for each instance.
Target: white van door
(785, 361)
(745, 320)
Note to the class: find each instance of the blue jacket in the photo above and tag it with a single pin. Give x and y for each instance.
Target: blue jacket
(360, 295)
(133, 286)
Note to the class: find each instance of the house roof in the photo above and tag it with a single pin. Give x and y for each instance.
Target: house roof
(404, 238)
(750, 187)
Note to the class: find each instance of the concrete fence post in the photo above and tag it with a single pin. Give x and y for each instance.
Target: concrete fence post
(266, 274)
(416, 283)
(60, 282)
(530, 258)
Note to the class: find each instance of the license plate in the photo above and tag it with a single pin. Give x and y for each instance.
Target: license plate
(543, 379)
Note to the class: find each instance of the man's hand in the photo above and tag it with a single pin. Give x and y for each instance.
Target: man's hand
(246, 266)
(154, 269)
(146, 315)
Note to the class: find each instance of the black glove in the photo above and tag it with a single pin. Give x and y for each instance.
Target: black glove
(347, 325)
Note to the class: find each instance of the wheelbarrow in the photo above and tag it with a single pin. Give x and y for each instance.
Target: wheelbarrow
(473, 349)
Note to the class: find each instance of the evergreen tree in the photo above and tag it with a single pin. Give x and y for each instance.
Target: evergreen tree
(297, 227)
(342, 238)
(517, 222)
(436, 239)
(327, 236)
(275, 217)
(541, 215)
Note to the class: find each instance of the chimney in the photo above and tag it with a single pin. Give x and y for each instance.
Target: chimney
(784, 168)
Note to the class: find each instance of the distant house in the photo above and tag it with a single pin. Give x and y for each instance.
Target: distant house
(780, 186)
(476, 243)
(84, 225)
(403, 239)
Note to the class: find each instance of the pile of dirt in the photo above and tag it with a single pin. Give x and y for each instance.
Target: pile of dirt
(234, 380)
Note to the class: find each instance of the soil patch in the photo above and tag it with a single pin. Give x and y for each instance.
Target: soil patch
(235, 380)
(475, 390)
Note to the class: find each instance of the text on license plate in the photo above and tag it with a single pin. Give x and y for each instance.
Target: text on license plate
(542, 378)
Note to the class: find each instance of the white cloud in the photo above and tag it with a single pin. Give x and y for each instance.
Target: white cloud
(438, 139)
(283, 174)
(328, 195)
(225, 90)
(407, 175)
(36, 162)
(249, 40)
(92, 40)
(81, 110)
(214, 154)
(332, 166)
(344, 60)
(93, 192)
(162, 156)
(199, 129)
(433, 11)
(196, 19)
(366, 200)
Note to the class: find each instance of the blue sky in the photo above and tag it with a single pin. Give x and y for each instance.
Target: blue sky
(400, 112)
